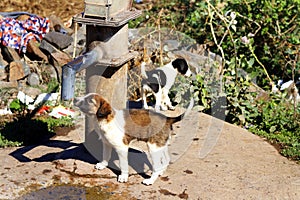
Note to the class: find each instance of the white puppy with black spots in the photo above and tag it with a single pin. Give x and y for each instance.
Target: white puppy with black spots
(159, 82)
(291, 88)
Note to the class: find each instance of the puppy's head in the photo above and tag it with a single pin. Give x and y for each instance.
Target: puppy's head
(94, 104)
(182, 67)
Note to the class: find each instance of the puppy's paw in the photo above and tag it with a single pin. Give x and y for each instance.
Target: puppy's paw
(123, 178)
(153, 177)
(145, 106)
(171, 107)
(157, 108)
(101, 165)
(148, 181)
(163, 107)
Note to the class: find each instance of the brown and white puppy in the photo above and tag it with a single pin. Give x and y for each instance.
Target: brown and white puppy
(120, 127)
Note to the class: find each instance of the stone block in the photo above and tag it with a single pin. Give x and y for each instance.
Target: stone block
(60, 58)
(59, 40)
(9, 54)
(16, 71)
(33, 48)
(46, 46)
(5, 84)
(3, 74)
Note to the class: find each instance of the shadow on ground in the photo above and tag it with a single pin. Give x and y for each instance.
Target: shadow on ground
(78, 151)
(26, 131)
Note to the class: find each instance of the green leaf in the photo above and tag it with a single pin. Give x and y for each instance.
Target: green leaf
(272, 129)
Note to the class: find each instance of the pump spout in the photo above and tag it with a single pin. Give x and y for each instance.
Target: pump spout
(70, 69)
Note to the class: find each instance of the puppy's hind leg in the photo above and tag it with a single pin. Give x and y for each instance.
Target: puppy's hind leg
(106, 156)
(160, 162)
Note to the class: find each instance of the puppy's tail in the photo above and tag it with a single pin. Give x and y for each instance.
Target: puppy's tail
(143, 70)
(173, 120)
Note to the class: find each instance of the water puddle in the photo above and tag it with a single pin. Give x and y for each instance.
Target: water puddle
(71, 191)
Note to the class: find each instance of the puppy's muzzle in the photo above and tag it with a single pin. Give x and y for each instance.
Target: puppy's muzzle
(189, 73)
(78, 101)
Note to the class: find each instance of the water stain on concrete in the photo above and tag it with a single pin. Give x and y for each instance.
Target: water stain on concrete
(75, 192)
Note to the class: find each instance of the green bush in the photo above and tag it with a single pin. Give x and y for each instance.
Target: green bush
(272, 25)
(16, 106)
(277, 121)
(27, 131)
(52, 123)
(261, 38)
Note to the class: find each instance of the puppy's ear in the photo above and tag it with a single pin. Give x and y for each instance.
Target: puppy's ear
(104, 110)
(181, 65)
(93, 101)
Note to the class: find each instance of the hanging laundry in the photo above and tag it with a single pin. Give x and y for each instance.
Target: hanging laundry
(17, 34)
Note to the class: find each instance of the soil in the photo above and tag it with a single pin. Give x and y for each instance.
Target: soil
(45, 8)
(218, 160)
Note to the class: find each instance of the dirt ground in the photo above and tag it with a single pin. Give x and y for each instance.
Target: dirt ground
(44, 8)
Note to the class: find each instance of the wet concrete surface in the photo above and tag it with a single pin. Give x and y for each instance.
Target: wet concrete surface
(210, 160)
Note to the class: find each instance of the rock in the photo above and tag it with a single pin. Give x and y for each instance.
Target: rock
(171, 45)
(2, 61)
(51, 72)
(9, 54)
(33, 92)
(46, 46)
(57, 25)
(80, 42)
(3, 74)
(60, 58)
(56, 57)
(16, 71)
(26, 69)
(33, 48)
(11, 84)
(59, 40)
(33, 79)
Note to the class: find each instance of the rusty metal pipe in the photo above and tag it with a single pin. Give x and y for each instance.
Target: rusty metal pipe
(70, 69)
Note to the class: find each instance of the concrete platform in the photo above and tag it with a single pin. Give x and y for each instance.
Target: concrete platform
(211, 159)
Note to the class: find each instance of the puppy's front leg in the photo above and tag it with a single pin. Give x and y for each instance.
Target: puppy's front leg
(144, 98)
(106, 156)
(166, 100)
(158, 101)
(123, 158)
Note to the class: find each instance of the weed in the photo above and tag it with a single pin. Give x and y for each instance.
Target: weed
(277, 122)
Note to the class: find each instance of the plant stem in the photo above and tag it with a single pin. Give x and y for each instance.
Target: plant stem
(214, 36)
(264, 68)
